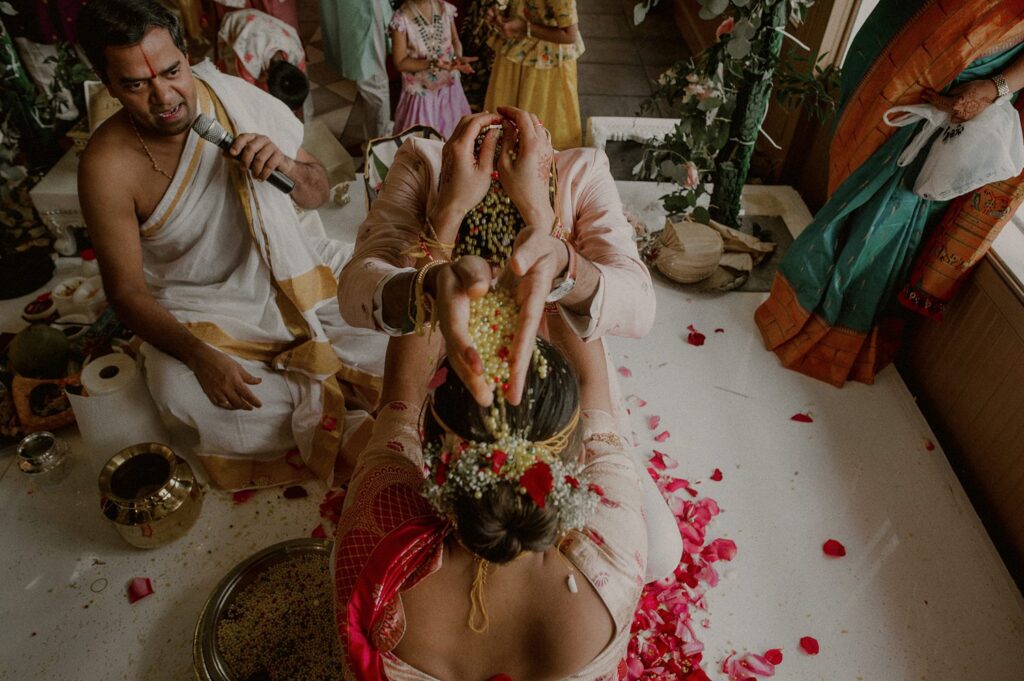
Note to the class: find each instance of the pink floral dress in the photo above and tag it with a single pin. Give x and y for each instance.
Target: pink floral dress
(431, 97)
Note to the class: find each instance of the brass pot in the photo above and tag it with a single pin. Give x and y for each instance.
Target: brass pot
(150, 494)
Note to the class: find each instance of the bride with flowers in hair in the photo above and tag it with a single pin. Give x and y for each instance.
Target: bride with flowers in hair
(491, 543)
(499, 538)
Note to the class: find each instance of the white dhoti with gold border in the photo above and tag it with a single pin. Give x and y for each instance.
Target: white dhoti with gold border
(225, 254)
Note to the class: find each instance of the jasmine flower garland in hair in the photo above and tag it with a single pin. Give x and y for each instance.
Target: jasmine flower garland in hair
(458, 467)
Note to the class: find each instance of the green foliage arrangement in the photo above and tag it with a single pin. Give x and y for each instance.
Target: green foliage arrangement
(722, 96)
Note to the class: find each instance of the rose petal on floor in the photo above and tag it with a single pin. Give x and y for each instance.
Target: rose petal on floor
(774, 655)
(801, 417)
(294, 459)
(295, 492)
(695, 337)
(139, 588)
(636, 401)
(809, 645)
(834, 548)
(719, 330)
(624, 371)
(929, 445)
(662, 436)
(716, 475)
(653, 422)
(243, 495)
(663, 461)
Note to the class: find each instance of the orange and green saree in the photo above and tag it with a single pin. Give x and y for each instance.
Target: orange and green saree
(875, 248)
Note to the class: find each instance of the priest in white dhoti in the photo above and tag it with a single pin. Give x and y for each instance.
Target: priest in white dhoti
(209, 264)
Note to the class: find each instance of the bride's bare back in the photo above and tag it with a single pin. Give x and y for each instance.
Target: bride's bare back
(538, 629)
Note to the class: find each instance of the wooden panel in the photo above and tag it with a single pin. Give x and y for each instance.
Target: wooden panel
(968, 374)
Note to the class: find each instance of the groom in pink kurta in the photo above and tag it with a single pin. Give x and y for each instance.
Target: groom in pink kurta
(591, 213)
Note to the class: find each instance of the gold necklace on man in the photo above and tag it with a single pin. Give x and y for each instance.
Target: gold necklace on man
(152, 160)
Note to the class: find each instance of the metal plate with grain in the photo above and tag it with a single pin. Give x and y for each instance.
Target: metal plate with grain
(209, 664)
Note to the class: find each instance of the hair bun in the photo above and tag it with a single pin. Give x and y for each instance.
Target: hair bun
(501, 525)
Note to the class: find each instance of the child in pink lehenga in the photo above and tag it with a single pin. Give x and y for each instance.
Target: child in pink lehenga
(426, 49)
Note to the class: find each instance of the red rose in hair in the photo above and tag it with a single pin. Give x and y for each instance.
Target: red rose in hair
(538, 481)
(498, 459)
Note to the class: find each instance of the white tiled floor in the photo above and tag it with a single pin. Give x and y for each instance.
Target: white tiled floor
(921, 594)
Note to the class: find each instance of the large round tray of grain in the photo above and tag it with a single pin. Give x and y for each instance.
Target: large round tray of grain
(272, 618)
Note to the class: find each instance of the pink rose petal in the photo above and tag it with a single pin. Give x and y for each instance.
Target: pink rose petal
(695, 337)
(834, 548)
(653, 422)
(663, 461)
(440, 376)
(636, 401)
(801, 417)
(624, 371)
(662, 436)
(139, 588)
(243, 495)
(716, 475)
(809, 645)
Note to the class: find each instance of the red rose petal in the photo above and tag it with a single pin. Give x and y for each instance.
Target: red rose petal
(440, 376)
(625, 372)
(716, 475)
(243, 495)
(318, 532)
(329, 423)
(929, 445)
(295, 492)
(653, 422)
(719, 330)
(675, 484)
(662, 436)
(139, 588)
(834, 548)
(294, 459)
(498, 459)
(662, 461)
(809, 645)
(773, 655)
(801, 417)
(538, 481)
(695, 337)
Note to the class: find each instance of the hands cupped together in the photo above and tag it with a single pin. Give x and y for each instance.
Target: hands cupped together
(523, 168)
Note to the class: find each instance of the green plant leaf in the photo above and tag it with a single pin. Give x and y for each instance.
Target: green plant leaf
(738, 48)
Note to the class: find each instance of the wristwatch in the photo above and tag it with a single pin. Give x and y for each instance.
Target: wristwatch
(1002, 89)
(567, 282)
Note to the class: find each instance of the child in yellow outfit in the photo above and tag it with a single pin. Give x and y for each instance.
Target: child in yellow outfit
(536, 49)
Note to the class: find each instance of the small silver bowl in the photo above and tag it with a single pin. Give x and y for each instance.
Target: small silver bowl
(150, 495)
(209, 663)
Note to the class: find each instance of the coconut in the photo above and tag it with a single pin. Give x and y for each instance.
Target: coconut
(40, 351)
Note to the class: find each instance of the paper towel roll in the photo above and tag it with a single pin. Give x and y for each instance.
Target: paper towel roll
(118, 411)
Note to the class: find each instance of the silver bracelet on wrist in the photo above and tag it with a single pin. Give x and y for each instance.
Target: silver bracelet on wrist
(1002, 89)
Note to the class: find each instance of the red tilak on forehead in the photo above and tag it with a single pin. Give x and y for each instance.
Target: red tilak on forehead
(152, 73)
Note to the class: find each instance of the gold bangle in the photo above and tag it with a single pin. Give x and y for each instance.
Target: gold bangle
(419, 295)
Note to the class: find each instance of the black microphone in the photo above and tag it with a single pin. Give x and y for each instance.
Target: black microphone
(212, 131)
